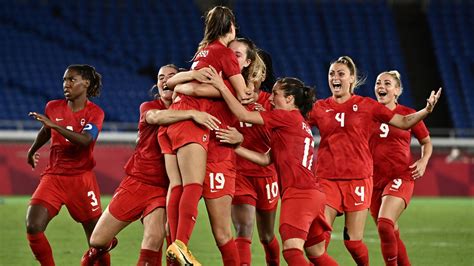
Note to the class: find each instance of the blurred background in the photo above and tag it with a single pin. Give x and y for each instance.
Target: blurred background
(429, 42)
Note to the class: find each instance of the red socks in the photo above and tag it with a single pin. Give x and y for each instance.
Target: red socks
(388, 241)
(230, 255)
(188, 210)
(104, 260)
(41, 249)
(294, 257)
(243, 246)
(402, 258)
(172, 210)
(272, 252)
(324, 260)
(149, 258)
(358, 251)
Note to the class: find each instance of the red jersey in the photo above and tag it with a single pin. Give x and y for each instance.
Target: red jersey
(390, 148)
(345, 130)
(292, 149)
(256, 138)
(264, 100)
(222, 59)
(147, 163)
(67, 158)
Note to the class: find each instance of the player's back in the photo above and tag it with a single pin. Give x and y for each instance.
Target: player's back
(147, 161)
(292, 148)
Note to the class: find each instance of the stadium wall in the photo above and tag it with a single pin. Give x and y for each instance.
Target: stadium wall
(449, 173)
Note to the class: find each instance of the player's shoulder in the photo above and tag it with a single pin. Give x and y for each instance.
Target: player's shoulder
(94, 107)
(154, 104)
(404, 110)
(56, 103)
(365, 99)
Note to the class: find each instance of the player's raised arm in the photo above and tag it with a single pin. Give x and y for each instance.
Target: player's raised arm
(408, 121)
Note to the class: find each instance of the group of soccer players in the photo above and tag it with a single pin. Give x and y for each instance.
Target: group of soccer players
(189, 136)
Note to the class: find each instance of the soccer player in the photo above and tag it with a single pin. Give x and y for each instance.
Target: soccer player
(302, 221)
(142, 193)
(190, 141)
(256, 187)
(394, 174)
(73, 125)
(344, 165)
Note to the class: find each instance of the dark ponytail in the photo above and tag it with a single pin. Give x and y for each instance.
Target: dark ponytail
(304, 95)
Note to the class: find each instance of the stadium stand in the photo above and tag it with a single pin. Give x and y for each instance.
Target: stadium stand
(451, 25)
(128, 39)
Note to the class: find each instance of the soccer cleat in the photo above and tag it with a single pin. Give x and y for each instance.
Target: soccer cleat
(180, 253)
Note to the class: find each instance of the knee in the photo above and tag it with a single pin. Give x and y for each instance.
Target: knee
(222, 235)
(98, 241)
(267, 236)
(34, 227)
(244, 229)
(153, 241)
(316, 250)
(353, 235)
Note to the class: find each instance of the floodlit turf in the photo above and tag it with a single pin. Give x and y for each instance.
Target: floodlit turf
(437, 231)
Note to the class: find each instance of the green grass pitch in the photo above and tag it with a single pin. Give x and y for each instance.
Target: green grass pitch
(436, 231)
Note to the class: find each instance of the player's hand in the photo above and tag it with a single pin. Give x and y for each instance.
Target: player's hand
(206, 120)
(432, 100)
(33, 159)
(229, 135)
(202, 75)
(43, 119)
(214, 78)
(418, 169)
(258, 107)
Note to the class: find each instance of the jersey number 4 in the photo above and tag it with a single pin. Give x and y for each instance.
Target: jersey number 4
(340, 118)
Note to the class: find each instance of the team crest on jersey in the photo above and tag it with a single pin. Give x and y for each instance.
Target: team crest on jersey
(355, 107)
(83, 122)
(204, 138)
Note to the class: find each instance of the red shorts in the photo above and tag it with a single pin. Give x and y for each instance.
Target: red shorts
(186, 132)
(134, 200)
(347, 195)
(164, 141)
(302, 214)
(261, 192)
(398, 187)
(80, 194)
(219, 180)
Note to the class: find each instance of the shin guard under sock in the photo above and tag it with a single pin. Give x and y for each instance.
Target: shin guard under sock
(39, 244)
(188, 210)
(272, 252)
